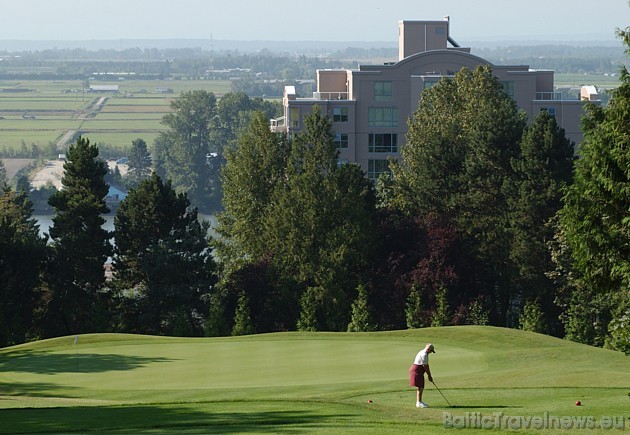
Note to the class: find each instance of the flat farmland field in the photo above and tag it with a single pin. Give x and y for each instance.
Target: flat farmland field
(120, 141)
(91, 125)
(36, 103)
(41, 123)
(601, 81)
(104, 116)
(11, 140)
(42, 112)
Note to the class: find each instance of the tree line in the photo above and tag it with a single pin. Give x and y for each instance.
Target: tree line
(151, 63)
(81, 64)
(486, 219)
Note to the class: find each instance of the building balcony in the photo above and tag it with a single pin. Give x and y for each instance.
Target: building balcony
(278, 125)
(549, 96)
(331, 95)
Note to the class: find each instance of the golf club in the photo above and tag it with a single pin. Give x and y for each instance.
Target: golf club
(449, 403)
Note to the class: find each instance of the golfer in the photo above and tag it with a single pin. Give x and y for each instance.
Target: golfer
(417, 370)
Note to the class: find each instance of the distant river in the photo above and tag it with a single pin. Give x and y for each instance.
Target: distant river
(45, 222)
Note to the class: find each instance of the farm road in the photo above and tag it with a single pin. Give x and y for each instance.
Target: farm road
(65, 139)
(89, 112)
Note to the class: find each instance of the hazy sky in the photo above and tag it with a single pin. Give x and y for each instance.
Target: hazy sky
(312, 20)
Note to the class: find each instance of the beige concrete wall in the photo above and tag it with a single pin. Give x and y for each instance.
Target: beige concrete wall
(568, 115)
(419, 36)
(332, 81)
(544, 81)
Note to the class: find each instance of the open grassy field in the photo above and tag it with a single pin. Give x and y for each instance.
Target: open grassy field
(309, 383)
(47, 110)
(601, 81)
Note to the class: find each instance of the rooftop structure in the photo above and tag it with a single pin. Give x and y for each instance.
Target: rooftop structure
(370, 106)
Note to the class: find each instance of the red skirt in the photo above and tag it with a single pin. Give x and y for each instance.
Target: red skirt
(416, 376)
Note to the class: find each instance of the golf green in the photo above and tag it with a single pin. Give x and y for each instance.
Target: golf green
(311, 382)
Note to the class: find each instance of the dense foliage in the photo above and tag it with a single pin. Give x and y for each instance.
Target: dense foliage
(163, 263)
(80, 246)
(184, 146)
(139, 164)
(200, 130)
(22, 255)
(486, 219)
(296, 220)
(456, 165)
(596, 222)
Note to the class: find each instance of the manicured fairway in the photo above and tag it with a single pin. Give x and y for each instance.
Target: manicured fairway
(303, 383)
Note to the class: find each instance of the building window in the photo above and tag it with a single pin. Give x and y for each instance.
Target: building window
(428, 84)
(550, 110)
(383, 91)
(294, 117)
(383, 117)
(340, 114)
(508, 88)
(376, 168)
(383, 143)
(341, 140)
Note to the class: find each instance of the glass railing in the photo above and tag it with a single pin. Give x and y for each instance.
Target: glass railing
(549, 96)
(330, 95)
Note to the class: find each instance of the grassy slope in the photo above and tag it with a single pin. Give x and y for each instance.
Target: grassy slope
(300, 382)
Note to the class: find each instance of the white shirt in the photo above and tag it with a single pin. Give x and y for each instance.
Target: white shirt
(422, 358)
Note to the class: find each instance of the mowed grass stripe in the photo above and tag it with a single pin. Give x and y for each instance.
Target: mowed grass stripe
(41, 124)
(160, 110)
(122, 125)
(141, 116)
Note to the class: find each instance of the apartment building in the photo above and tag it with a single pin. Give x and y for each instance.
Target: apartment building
(370, 106)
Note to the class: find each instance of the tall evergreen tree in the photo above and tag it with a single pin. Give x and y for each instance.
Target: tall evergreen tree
(414, 314)
(252, 172)
(296, 217)
(22, 259)
(543, 169)
(163, 261)
(80, 245)
(139, 163)
(242, 319)
(595, 217)
(318, 228)
(361, 320)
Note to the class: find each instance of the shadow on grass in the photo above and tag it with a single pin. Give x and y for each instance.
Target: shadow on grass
(166, 419)
(31, 389)
(50, 363)
(483, 406)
